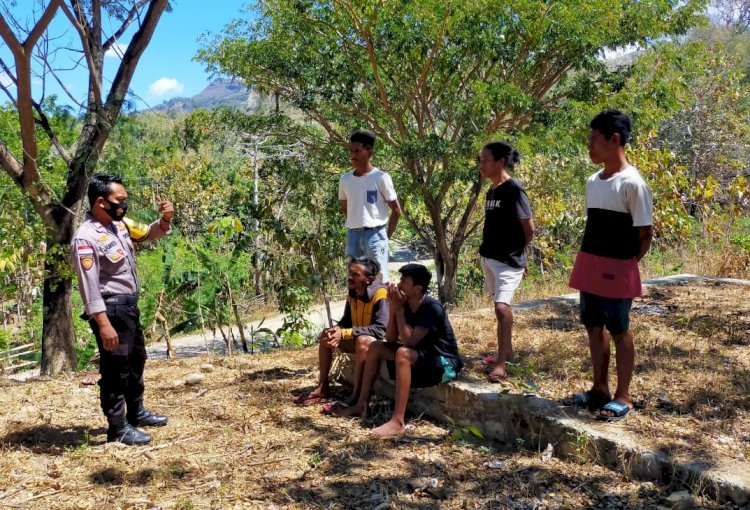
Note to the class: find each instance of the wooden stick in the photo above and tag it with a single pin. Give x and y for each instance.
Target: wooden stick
(24, 503)
(267, 462)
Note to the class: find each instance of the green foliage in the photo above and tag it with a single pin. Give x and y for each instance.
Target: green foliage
(294, 302)
(4, 339)
(460, 434)
(434, 80)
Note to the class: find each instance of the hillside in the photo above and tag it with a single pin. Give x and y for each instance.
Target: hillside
(226, 93)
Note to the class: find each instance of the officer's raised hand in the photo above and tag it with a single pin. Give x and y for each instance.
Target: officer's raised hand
(166, 209)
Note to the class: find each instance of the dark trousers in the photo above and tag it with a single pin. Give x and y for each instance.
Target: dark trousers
(121, 384)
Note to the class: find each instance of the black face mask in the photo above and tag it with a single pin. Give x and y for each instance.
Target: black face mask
(114, 206)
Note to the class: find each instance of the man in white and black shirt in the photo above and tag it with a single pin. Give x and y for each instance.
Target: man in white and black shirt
(617, 236)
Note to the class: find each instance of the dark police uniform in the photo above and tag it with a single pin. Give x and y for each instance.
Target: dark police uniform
(104, 258)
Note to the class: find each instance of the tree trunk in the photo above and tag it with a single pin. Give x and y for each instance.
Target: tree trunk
(446, 269)
(58, 349)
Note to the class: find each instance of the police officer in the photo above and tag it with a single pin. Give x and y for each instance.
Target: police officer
(104, 258)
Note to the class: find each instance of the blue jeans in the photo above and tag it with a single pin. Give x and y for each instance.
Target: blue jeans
(369, 242)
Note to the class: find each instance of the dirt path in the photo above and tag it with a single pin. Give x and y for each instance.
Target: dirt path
(211, 342)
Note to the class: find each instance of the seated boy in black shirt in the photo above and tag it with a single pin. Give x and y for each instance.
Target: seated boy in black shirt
(420, 348)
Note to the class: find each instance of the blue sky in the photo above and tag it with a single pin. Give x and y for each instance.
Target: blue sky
(166, 69)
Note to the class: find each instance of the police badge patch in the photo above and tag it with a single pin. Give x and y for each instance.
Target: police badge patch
(86, 256)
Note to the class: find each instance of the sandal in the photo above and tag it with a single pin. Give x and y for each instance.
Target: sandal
(308, 399)
(619, 409)
(590, 399)
(329, 407)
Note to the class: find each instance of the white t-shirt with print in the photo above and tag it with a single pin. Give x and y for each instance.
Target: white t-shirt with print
(367, 198)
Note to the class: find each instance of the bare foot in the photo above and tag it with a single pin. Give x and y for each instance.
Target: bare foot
(392, 428)
(498, 373)
(354, 410)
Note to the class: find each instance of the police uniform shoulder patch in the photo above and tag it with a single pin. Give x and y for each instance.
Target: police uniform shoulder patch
(103, 239)
(86, 256)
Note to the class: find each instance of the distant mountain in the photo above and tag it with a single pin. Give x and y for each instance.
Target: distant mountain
(220, 93)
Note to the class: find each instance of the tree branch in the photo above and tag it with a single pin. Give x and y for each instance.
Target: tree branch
(10, 39)
(41, 25)
(81, 27)
(430, 59)
(131, 57)
(10, 75)
(64, 87)
(44, 122)
(131, 17)
(461, 233)
(10, 164)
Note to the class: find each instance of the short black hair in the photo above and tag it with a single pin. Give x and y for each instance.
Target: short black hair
(371, 265)
(502, 150)
(366, 138)
(99, 186)
(419, 274)
(610, 122)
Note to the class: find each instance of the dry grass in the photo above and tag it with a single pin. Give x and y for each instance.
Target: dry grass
(236, 441)
(692, 375)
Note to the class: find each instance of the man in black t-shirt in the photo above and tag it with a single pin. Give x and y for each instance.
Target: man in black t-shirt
(420, 347)
(508, 230)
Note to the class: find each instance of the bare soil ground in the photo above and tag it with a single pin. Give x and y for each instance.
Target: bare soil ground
(692, 376)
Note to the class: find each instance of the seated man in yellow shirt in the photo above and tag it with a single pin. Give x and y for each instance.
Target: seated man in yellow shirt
(365, 320)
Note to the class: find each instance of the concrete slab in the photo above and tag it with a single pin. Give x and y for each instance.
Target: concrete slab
(537, 421)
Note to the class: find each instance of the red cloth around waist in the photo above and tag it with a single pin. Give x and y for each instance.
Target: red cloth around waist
(606, 277)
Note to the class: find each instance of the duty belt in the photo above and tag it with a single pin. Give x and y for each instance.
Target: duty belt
(121, 299)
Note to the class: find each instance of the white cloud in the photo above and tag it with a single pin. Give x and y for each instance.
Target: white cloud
(165, 87)
(117, 50)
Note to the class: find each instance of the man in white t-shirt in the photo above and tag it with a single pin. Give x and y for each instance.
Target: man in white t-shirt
(617, 236)
(366, 195)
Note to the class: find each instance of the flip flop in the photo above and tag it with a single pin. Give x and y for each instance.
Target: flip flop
(308, 399)
(329, 407)
(621, 411)
(490, 360)
(589, 399)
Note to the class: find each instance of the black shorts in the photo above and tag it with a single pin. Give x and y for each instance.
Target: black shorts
(599, 312)
(429, 370)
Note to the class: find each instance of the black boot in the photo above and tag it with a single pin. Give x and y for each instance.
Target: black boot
(124, 432)
(144, 418)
